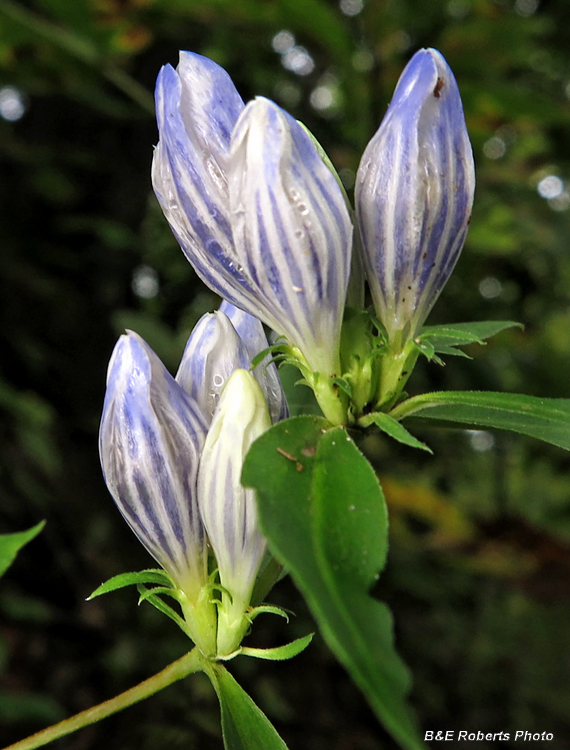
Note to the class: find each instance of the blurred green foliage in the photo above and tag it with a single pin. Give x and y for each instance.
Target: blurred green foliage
(479, 571)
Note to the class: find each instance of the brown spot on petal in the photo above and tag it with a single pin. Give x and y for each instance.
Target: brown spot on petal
(438, 87)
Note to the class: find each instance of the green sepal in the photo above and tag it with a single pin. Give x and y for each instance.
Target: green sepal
(154, 575)
(344, 385)
(11, 544)
(244, 725)
(145, 594)
(393, 428)
(280, 653)
(156, 601)
(266, 609)
(275, 349)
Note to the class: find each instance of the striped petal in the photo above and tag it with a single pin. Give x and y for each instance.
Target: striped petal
(149, 442)
(414, 192)
(251, 332)
(265, 224)
(292, 231)
(197, 106)
(228, 510)
(214, 350)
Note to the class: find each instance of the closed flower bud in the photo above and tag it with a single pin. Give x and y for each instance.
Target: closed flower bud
(197, 106)
(414, 192)
(228, 509)
(213, 351)
(150, 441)
(292, 231)
(256, 211)
(251, 332)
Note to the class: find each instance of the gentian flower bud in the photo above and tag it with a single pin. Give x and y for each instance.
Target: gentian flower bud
(228, 509)
(150, 441)
(293, 230)
(414, 192)
(251, 332)
(255, 209)
(213, 351)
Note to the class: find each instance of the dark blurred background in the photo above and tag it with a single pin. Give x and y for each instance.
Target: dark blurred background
(479, 571)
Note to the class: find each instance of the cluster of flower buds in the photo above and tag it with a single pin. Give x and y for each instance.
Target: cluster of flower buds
(172, 451)
(263, 218)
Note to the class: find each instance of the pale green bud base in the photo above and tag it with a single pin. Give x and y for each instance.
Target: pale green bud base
(233, 622)
(200, 621)
(395, 368)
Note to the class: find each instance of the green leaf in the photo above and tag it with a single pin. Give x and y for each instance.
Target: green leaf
(129, 579)
(280, 653)
(244, 725)
(460, 334)
(392, 427)
(11, 544)
(325, 518)
(547, 419)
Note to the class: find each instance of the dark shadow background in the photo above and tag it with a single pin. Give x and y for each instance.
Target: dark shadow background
(479, 569)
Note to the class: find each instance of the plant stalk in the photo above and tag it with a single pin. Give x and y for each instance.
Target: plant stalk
(189, 663)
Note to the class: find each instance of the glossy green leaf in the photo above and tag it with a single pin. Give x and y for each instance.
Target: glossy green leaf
(244, 725)
(392, 427)
(11, 544)
(324, 514)
(279, 653)
(129, 579)
(547, 419)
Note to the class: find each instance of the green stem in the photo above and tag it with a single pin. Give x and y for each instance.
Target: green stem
(189, 663)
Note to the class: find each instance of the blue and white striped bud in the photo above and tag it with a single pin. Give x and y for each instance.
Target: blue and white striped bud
(255, 209)
(213, 351)
(251, 332)
(197, 106)
(414, 192)
(292, 231)
(150, 441)
(227, 508)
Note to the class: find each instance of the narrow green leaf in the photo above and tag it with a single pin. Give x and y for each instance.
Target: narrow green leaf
(460, 334)
(129, 579)
(392, 427)
(244, 725)
(11, 544)
(325, 518)
(547, 419)
(280, 653)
